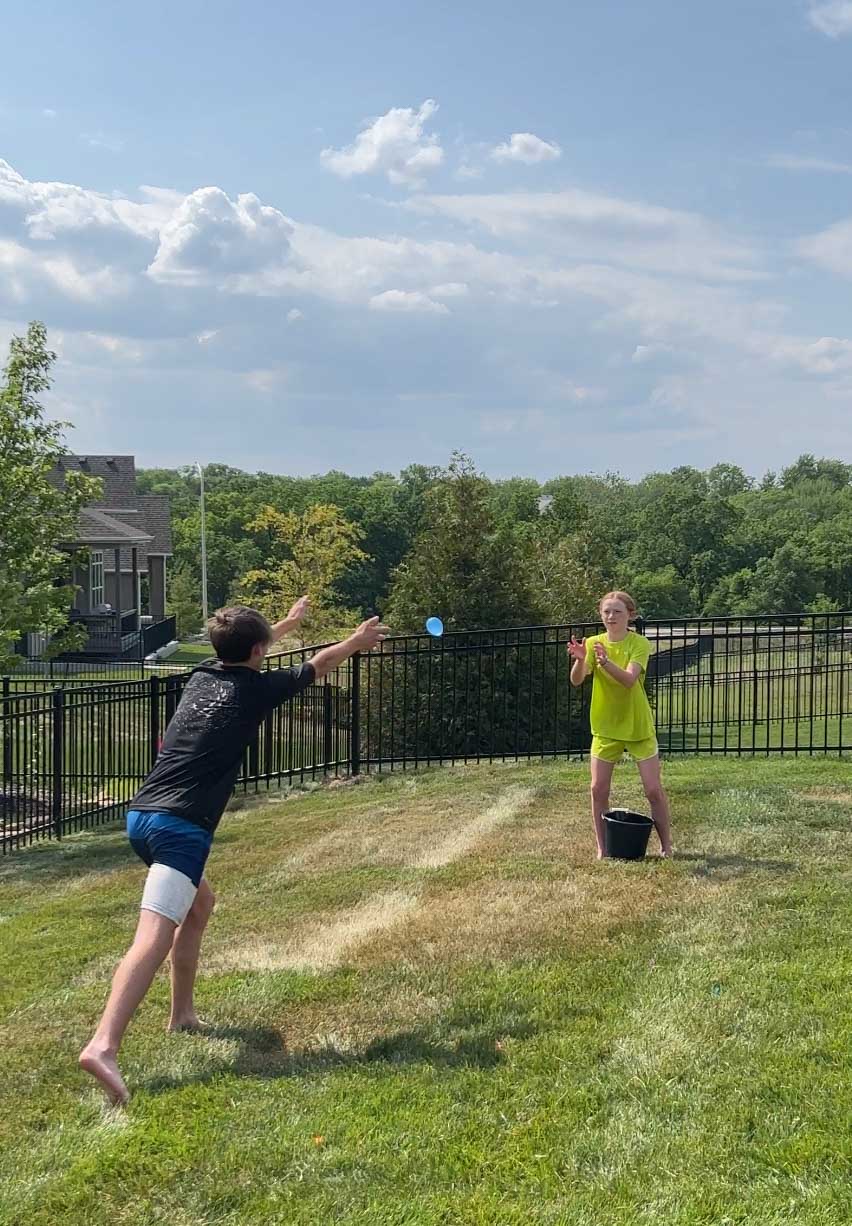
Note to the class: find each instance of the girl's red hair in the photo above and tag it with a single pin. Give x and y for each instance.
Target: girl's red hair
(625, 598)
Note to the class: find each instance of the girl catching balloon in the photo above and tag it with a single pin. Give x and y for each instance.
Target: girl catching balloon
(621, 714)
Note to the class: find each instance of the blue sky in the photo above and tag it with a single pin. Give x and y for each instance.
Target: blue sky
(565, 237)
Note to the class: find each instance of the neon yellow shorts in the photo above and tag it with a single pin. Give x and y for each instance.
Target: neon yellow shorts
(613, 751)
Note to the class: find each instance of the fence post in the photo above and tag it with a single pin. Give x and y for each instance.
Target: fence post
(154, 718)
(327, 725)
(355, 715)
(7, 733)
(58, 720)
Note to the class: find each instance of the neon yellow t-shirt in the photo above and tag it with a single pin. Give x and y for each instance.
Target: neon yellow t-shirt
(618, 713)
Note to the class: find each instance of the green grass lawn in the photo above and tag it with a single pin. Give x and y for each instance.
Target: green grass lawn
(191, 653)
(429, 1005)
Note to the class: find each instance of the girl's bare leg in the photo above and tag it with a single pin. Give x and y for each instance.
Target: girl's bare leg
(601, 782)
(651, 776)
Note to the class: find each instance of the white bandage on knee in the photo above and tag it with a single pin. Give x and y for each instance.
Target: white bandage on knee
(168, 892)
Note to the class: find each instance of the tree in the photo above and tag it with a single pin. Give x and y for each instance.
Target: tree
(462, 566)
(726, 480)
(36, 516)
(185, 601)
(808, 468)
(304, 554)
(784, 583)
(563, 578)
(680, 522)
(491, 686)
(660, 593)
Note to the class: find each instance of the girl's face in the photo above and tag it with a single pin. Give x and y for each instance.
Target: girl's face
(615, 617)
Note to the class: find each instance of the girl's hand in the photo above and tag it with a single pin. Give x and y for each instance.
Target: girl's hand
(600, 654)
(576, 648)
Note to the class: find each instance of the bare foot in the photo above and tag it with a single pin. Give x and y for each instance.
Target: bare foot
(104, 1069)
(187, 1025)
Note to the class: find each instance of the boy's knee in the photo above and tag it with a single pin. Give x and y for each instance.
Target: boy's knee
(600, 791)
(205, 901)
(655, 793)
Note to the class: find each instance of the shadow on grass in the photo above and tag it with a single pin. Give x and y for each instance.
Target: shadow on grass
(263, 1053)
(52, 862)
(725, 868)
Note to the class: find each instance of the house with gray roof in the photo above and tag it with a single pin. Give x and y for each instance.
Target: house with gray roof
(125, 541)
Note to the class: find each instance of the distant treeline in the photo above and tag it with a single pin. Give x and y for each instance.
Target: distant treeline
(484, 553)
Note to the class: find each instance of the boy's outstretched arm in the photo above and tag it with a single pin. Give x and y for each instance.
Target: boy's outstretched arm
(368, 635)
(292, 620)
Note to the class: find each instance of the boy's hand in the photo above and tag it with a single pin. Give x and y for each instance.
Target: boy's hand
(370, 633)
(576, 648)
(298, 611)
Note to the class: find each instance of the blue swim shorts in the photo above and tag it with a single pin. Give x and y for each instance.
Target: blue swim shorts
(162, 838)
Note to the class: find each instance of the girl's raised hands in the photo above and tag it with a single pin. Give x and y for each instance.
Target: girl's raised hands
(576, 648)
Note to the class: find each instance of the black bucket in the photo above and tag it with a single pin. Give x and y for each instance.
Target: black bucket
(626, 834)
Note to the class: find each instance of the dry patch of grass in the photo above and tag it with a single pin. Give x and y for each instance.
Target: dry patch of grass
(837, 796)
(462, 840)
(319, 943)
(503, 920)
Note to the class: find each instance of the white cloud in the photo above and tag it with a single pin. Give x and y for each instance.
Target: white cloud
(213, 240)
(527, 148)
(647, 353)
(25, 272)
(266, 380)
(394, 144)
(452, 289)
(613, 271)
(783, 161)
(830, 248)
(50, 209)
(402, 300)
(48, 112)
(99, 140)
(829, 355)
(833, 18)
(117, 346)
(582, 225)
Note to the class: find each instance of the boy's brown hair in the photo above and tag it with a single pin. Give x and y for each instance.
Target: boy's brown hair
(234, 632)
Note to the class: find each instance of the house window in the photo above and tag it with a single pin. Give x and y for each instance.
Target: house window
(96, 578)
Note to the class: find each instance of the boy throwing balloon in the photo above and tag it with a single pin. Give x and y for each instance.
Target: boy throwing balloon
(174, 815)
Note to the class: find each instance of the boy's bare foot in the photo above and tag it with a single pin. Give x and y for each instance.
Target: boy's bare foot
(104, 1069)
(187, 1025)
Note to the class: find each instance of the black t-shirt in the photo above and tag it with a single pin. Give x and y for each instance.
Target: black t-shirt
(217, 719)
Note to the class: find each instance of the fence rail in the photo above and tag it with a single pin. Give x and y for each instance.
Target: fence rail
(74, 754)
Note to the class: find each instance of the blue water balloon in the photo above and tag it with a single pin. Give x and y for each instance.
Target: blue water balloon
(435, 626)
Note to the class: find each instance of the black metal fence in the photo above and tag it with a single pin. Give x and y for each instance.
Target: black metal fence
(157, 634)
(74, 753)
